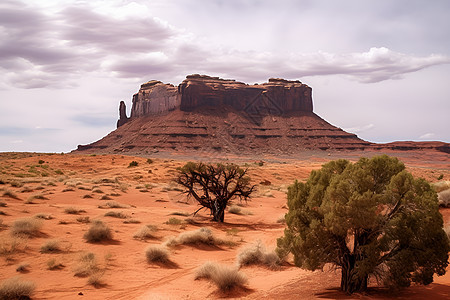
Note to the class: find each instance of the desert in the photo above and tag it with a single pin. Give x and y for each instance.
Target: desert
(238, 149)
(67, 192)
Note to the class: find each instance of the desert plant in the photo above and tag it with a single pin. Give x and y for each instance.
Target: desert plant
(212, 186)
(26, 226)
(43, 216)
(369, 218)
(23, 267)
(257, 254)
(3, 204)
(73, 211)
(96, 279)
(174, 221)
(51, 246)
(234, 209)
(224, 277)
(53, 264)
(145, 232)
(441, 186)
(157, 253)
(200, 236)
(98, 232)
(133, 164)
(16, 288)
(180, 213)
(10, 245)
(87, 196)
(10, 194)
(87, 265)
(116, 214)
(444, 198)
(83, 219)
(114, 204)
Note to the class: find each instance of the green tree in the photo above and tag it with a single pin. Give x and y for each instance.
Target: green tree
(370, 219)
(212, 186)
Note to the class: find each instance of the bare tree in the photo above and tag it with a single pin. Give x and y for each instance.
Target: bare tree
(212, 186)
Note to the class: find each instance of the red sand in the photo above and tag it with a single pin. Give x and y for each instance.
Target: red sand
(151, 199)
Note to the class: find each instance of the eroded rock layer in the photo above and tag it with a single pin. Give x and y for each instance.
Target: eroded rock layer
(209, 114)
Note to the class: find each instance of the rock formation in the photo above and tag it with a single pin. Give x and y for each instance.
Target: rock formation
(155, 97)
(210, 115)
(122, 114)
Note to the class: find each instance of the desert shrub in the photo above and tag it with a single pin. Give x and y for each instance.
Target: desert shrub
(114, 204)
(256, 254)
(149, 160)
(68, 189)
(53, 264)
(199, 236)
(133, 164)
(98, 232)
(116, 214)
(23, 267)
(73, 211)
(131, 221)
(87, 265)
(87, 196)
(16, 288)
(96, 279)
(105, 197)
(83, 219)
(444, 198)
(43, 216)
(10, 194)
(224, 277)
(234, 209)
(3, 204)
(441, 186)
(157, 253)
(97, 190)
(174, 221)
(281, 219)
(39, 197)
(51, 246)
(145, 232)
(10, 245)
(26, 226)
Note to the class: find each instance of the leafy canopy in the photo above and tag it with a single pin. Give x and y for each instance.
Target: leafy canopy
(370, 218)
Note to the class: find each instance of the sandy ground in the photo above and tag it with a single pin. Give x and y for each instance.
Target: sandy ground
(151, 198)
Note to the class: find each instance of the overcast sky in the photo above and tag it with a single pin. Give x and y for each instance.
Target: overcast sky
(380, 69)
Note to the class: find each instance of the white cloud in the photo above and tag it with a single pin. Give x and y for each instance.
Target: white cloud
(427, 136)
(359, 129)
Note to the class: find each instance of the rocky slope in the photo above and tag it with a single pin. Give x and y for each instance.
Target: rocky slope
(209, 114)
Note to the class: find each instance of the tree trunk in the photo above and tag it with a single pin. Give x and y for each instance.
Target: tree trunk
(218, 212)
(350, 281)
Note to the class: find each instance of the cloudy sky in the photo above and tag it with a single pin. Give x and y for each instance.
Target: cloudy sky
(380, 69)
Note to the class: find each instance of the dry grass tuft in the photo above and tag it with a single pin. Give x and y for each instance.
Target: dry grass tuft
(54, 264)
(157, 253)
(98, 232)
(116, 214)
(23, 268)
(145, 232)
(26, 227)
(16, 288)
(256, 254)
(444, 198)
(51, 246)
(73, 211)
(224, 277)
(10, 245)
(200, 236)
(87, 265)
